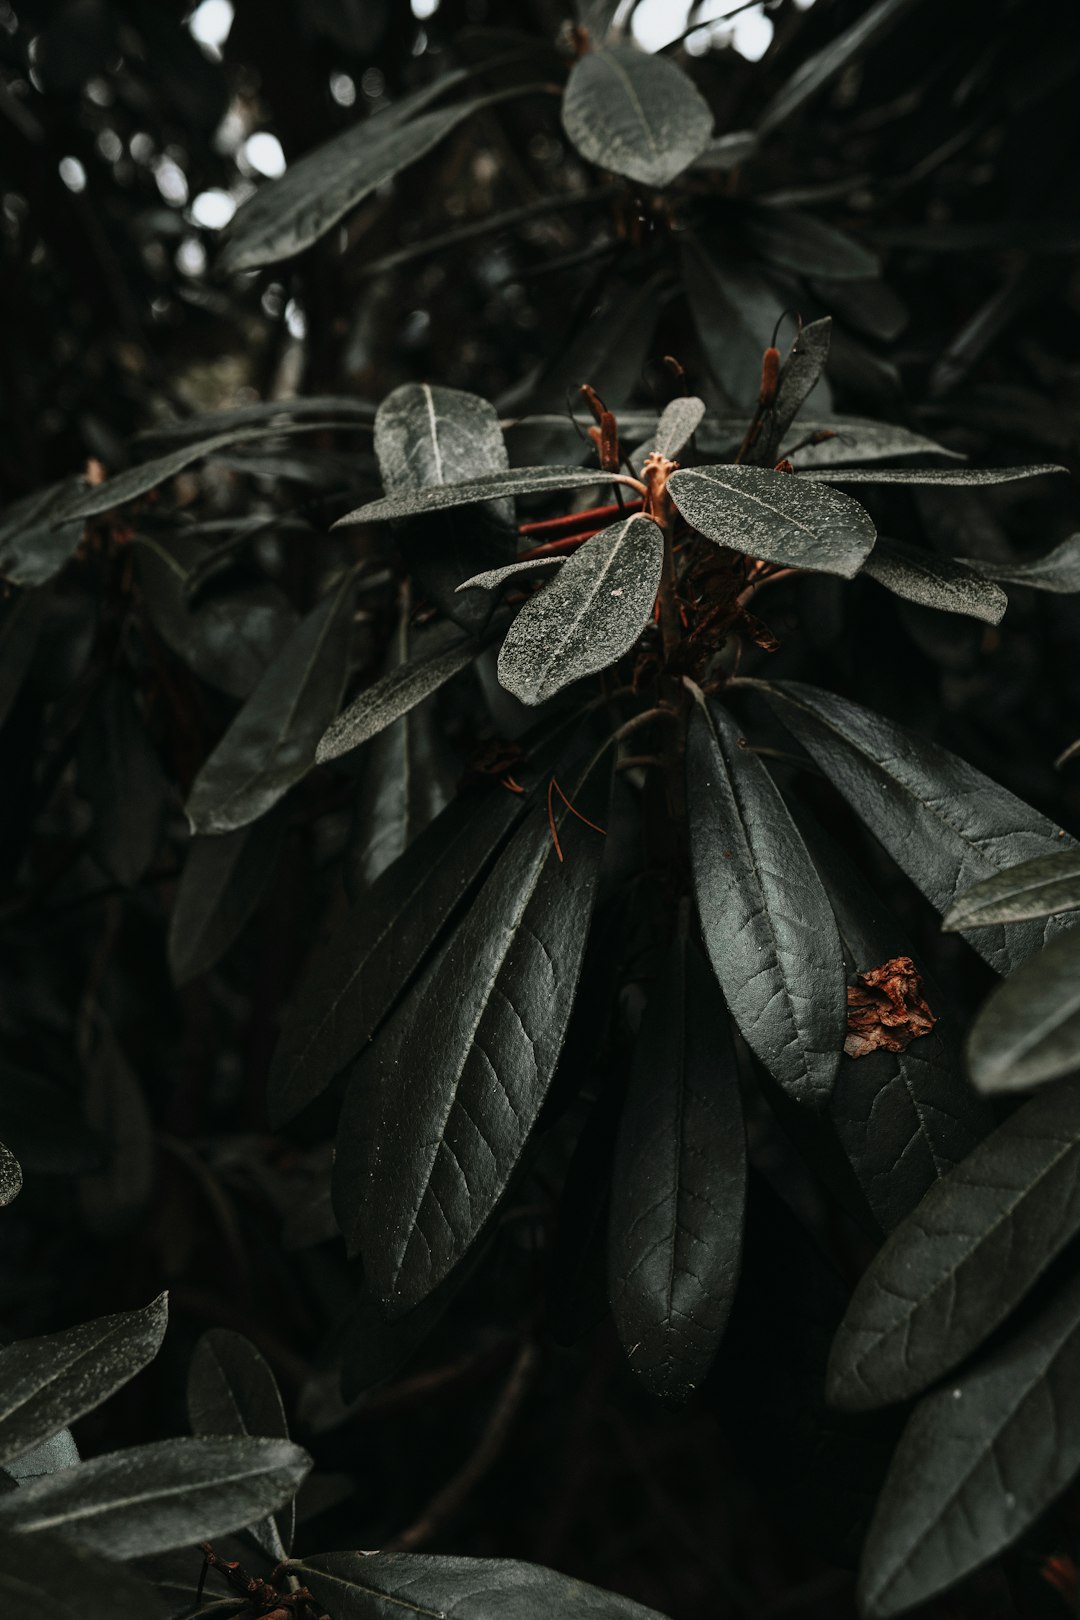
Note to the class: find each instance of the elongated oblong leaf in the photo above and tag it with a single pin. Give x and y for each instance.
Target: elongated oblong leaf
(272, 742)
(45, 1578)
(678, 1196)
(438, 497)
(945, 823)
(979, 1461)
(492, 578)
(1058, 570)
(231, 1391)
(799, 242)
(46, 1383)
(591, 613)
(818, 70)
(1028, 1031)
(768, 928)
(220, 885)
(928, 475)
(1038, 888)
(802, 372)
(393, 1586)
(634, 114)
(393, 695)
(775, 517)
(170, 1493)
(938, 582)
(964, 1258)
(425, 1152)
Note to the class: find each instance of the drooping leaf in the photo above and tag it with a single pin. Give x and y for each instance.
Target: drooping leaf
(634, 114)
(679, 421)
(590, 614)
(11, 1176)
(978, 1462)
(272, 741)
(945, 823)
(46, 1578)
(393, 695)
(1038, 888)
(1058, 570)
(768, 928)
(438, 497)
(494, 577)
(938, 582)
(263, 413)
(425, 1152)
(119, 773)
(816, 71)
(231, 1391)
(928, 475)
(220, 885)
(170, 1493)
(46, 1383)
(799, 242)
(775, 517)
(393, 1586)
(1028, 1030)
(735, 313)
(32, 549)
(964, 1258)
(679, 1189)
(288, 215)
(801, 374)
(858, 439)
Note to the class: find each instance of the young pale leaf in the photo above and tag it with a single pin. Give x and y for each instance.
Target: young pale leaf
(1038, 888)
(1028, 1030)
(679, 421)
(964, 1258)
(413, 1586)
(494, 577)
(438, 497)
(393, 695)
(425, 1152)
(1058, 571)
(816, 71)
(802, 372)
(679, 1190)
(149, 1498)
(48, 1382)
(936, 582)
(272, 742)
(635, 115)
(808, 246)
(220, 885)
(591, 613)
(45, 1578)
(928, 475)
(945, 823)
(978, 1462)
(765, 917)
(775, 517)
(231, 1391)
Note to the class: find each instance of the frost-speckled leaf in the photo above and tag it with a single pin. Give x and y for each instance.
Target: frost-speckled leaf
(591, 613)
(775, 517)
(635, 115)
(937, 582)
(964, 1258)
(679, 421)
(766, 920)
(48, 1382)
(801, 374)
(859, 439)
(978, 1462)
(943, 822)
(439, 497)
(1038, 888)
(412, 1586)
(494, 577)
(678, 1192)
(1058, 570)
(928, 475)
(11, 1176)
(1028, 1030)
(393, 695)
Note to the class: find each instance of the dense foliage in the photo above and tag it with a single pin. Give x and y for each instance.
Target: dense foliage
(538, 720)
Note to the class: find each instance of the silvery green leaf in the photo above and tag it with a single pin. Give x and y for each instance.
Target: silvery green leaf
(438, 497)
(634, 114)
(1037, 888)
(679, 421)
(393, 695)
(1028, 1030)
(774, 516)
(11, 1176)
(932, 581)
(495, 577)
(1058, 570)
(928, 475)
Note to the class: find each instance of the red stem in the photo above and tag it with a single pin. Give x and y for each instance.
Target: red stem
(573, 520)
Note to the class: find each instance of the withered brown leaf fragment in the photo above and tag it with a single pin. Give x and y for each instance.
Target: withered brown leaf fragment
(887, 1009)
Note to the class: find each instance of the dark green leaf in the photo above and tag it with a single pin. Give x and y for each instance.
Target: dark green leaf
(679, 1189)
(272, 741)
(46, 1383)
(927, 475)
(58, 1451)
(1037, 888)
(393, 695)
(801, 374)
(47, 1579)
(816, 71)
(635, 115)
(90, 500)
(775, 517)
(438, 497)
(410, 1586)
(32, 550)
(494, 577)
(938, 582)
(265, 412)
(1028, 1031)
(220, 885)
(945, 823)
(979, 1461)
(858, 439)
(425, 1152)
(11, 1176)
(679, 421)
(231, 1391)
(591, 613)
(964, 1258)
(121, 777)
(149, 1498)
(765, 917)
(735, 313)
(1058, 571)
(605, 344)
(806, 245)
(116, 1109)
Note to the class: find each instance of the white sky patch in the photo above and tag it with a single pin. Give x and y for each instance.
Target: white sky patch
(263, 152)
(424, 8)
(209, 25)
(73, 174)
(657, 22)
(213, 209)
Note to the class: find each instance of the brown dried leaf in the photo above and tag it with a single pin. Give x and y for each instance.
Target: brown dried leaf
(887, 1009)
